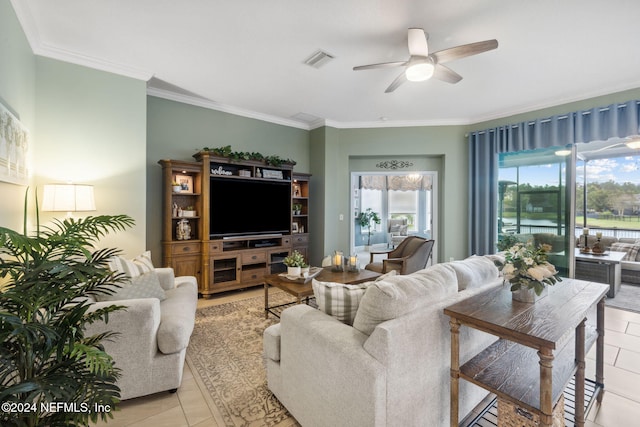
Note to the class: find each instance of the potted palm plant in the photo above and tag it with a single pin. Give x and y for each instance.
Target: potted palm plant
(47, 360)
(367, 219)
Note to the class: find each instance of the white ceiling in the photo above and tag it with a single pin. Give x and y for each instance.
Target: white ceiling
(246, 56)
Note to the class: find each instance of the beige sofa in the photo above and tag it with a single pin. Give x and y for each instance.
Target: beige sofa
(153, 336)
(391, 368)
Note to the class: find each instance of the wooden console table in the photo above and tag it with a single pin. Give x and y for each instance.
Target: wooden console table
(531, 335)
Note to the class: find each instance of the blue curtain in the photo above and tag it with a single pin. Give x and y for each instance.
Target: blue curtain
(616, 120)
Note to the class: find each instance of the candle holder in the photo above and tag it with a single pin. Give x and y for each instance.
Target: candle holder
(337, 261)
(598, 247)
(352, 266)
(586, 248)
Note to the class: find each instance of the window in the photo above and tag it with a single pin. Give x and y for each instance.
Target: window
(532, 202)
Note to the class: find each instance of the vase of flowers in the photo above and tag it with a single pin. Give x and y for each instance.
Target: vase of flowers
(526, 268)
(294, 262)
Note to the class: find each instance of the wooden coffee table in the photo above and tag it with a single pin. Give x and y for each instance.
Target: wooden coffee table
(304, 290)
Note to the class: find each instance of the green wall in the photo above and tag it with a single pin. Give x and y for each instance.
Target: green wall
(177, 131)
(86, 126)
(91, 129)
(447, 143)
(100, 128)
(17, 93)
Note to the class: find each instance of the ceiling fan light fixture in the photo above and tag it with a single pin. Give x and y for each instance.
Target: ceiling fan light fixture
(562, 153)
(420, 69)
(633, 142)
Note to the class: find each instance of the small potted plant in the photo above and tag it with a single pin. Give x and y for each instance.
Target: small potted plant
(294, 263)
(189, 211)
(297, 208)
(176, 187)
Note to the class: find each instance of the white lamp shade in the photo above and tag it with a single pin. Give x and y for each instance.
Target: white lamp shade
(68, 198)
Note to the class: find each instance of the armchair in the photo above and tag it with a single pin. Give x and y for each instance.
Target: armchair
(410, 256)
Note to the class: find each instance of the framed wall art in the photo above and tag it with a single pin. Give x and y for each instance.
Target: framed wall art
(14, 149)
(185, 182)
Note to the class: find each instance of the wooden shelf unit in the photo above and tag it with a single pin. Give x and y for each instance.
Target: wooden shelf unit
(300, 196)
(184, 256)
(223, 264)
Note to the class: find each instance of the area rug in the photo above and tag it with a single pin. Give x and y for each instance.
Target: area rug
(627, 298)
(225, 356)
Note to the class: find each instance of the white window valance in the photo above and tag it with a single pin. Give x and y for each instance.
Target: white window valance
(411, 182)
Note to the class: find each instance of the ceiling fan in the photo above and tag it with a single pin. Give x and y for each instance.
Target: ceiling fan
(422, 65)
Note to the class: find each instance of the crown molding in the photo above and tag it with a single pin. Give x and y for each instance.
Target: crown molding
(25, 17)
(212, 105)
(529, 108)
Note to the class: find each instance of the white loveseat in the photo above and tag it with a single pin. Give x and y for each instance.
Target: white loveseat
(153, 335)
(391, 368)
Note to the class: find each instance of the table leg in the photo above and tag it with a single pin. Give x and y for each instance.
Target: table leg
(266, 300)
(546, 390)
(455, 371)
(580, 355)
(600, 349)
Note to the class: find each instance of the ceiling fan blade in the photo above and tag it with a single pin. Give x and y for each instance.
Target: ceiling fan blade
(464, 50)
(381, 65)
(396, 83)
(446, 74)
(417, 40)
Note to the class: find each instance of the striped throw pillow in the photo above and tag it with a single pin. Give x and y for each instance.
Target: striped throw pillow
(630, 248)
(340, 300)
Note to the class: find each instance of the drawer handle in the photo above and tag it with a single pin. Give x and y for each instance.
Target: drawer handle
(255, 276)
(186, 249)
(254, 257)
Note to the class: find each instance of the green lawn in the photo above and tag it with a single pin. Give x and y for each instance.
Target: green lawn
(628, 222)
(632, 222)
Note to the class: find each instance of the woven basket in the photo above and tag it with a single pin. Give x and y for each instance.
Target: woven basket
(511, 415)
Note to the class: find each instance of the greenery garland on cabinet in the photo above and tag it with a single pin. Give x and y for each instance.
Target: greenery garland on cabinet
(238, 156)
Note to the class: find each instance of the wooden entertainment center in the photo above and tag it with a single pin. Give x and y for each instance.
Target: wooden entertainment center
(237, 260)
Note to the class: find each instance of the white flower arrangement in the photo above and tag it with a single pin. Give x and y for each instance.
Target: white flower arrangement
(526, 266)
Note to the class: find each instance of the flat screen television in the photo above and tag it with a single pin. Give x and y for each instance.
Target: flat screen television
(240, 207)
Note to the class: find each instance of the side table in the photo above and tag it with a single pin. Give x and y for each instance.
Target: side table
(603, 268)
(531, 336)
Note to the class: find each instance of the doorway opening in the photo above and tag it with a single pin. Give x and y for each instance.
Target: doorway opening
(405, 202)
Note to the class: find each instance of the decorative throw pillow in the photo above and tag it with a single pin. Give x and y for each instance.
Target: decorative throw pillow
(132, 268)
(146, 285)
(474, 272)
(395, 230)
(340, 300)
(630, 248)
(391, 298)
(403, 230)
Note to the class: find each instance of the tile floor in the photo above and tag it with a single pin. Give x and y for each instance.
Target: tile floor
(620, 405)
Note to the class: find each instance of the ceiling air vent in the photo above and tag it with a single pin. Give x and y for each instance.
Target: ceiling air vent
(318, 59)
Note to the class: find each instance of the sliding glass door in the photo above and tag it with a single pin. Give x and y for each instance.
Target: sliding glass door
(535, 202)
